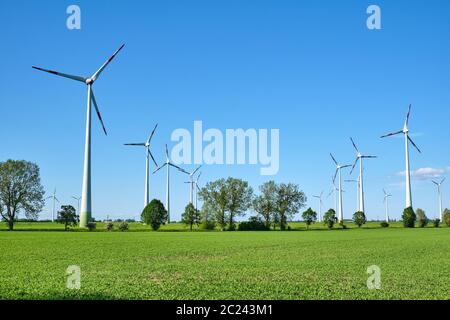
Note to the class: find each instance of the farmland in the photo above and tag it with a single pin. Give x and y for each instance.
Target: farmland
(315, 264)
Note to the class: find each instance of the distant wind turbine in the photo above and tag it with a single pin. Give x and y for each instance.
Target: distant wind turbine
(55, 199)
(338, 171)
(320, 205)
(357, 192)
(148, 154)
(438, 184)
(333, 192)
(360, 157)
(408, 140)
(86, 209)
(191, 183)
(196, 190)
(386, 204)
(78, 201)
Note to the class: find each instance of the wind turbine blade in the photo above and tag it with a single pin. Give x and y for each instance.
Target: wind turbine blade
(99, 71)
(356, 161)
(435, 182)
(369, 157)
(134, 144)
(199, 175)
(407, 115)
(98, 111)
(196, 170)
(57, 200)
(442, 181)
(198, 188)
(346, 166)
(392, 134)
(334, 160)
(384, 191)
(354, 145)
(159, 168)
(154, 161)
(412, 142)
(167, 153)
(65, 75)
(335, 174)
(180, 169)
(151, 134)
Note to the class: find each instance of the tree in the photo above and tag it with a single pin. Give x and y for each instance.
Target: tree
(409, 217)
(154, 214)
(421, 218)
(20, 190)
(329, 218)
(289, 200)
(265, 203)
(359, 218)
(309, 216)
(190, 216)
(67, 216)
(239, 199)
(447, 217)
(215, 199)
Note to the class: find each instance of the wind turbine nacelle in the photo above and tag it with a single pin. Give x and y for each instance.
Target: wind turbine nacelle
(89, 81)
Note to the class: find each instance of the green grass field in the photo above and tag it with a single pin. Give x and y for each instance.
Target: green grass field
(315, 264)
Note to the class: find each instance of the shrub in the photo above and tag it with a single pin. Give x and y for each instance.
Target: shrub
(409, 217)
(123, 226)
(421, 218)
(109, 226)
(208, 225)
(154, 214)
(359, 218)
(309, 216)
(447, 217)
(436, 223)
(384, 224)
(329, 218)
(254, 224)
(91, 226)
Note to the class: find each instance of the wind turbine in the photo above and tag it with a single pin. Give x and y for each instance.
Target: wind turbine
(53, 196)
(168, 164)
(408, 139)
(386, 204)
(320, 205)
(360, 157)
(197, 189)
(191, 182)
(86, 208)
(333, 191)
(78, 201)
(357, 192)
(438, 184)
(338, 171)
(147, 160)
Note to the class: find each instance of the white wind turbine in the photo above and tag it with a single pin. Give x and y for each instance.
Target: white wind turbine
(386, 204)
(360, 157)
(320, 205)
(168, 164)
(438, 184)
(197, 189)
(78, 202)
(55, 199)
(333, 191)
(408, 139)
(148, 154)
(191, 183)
(86, 208)
(338, 171)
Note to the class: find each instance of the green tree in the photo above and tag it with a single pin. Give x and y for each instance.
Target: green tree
(359, 218)
(154, 214)
(422, 218)
(190, 216)
(409, 217)
(67, 216)
(265, 203)
(309, 216)
(289, 200)
(446, 215)
(329, 218)
(215, 200)
(20, 190)
(239, 199)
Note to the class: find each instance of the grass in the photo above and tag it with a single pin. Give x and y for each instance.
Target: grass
(225, 265)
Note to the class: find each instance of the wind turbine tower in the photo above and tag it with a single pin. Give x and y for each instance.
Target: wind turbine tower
(438, 184)
(338, 171)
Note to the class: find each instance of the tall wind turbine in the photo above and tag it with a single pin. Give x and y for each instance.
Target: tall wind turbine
(191, 183)
(148, 154)
(360, 157)
(438, 184)
(55, 199)
(386, 204)
(86, 208)
(408, 139)
(78, 202)
(338, 171)
(197, 188)
(168, 164)
(320, 205)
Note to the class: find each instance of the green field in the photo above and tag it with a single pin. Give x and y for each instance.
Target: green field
(315, 264)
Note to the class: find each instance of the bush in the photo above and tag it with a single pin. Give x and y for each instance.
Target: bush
(329, 218)
(123, 226)
(421, 218)
(91, 226)
(208, 225)
(109, 226)
(409, 217)
(154, 214)
(447, 217)
(436, 223)
(254, 224)
(384, 224)
(359, 218)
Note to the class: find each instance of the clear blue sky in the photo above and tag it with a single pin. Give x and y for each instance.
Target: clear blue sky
(309, 68)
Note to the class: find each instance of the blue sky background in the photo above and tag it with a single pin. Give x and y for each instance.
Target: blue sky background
(310, 68)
